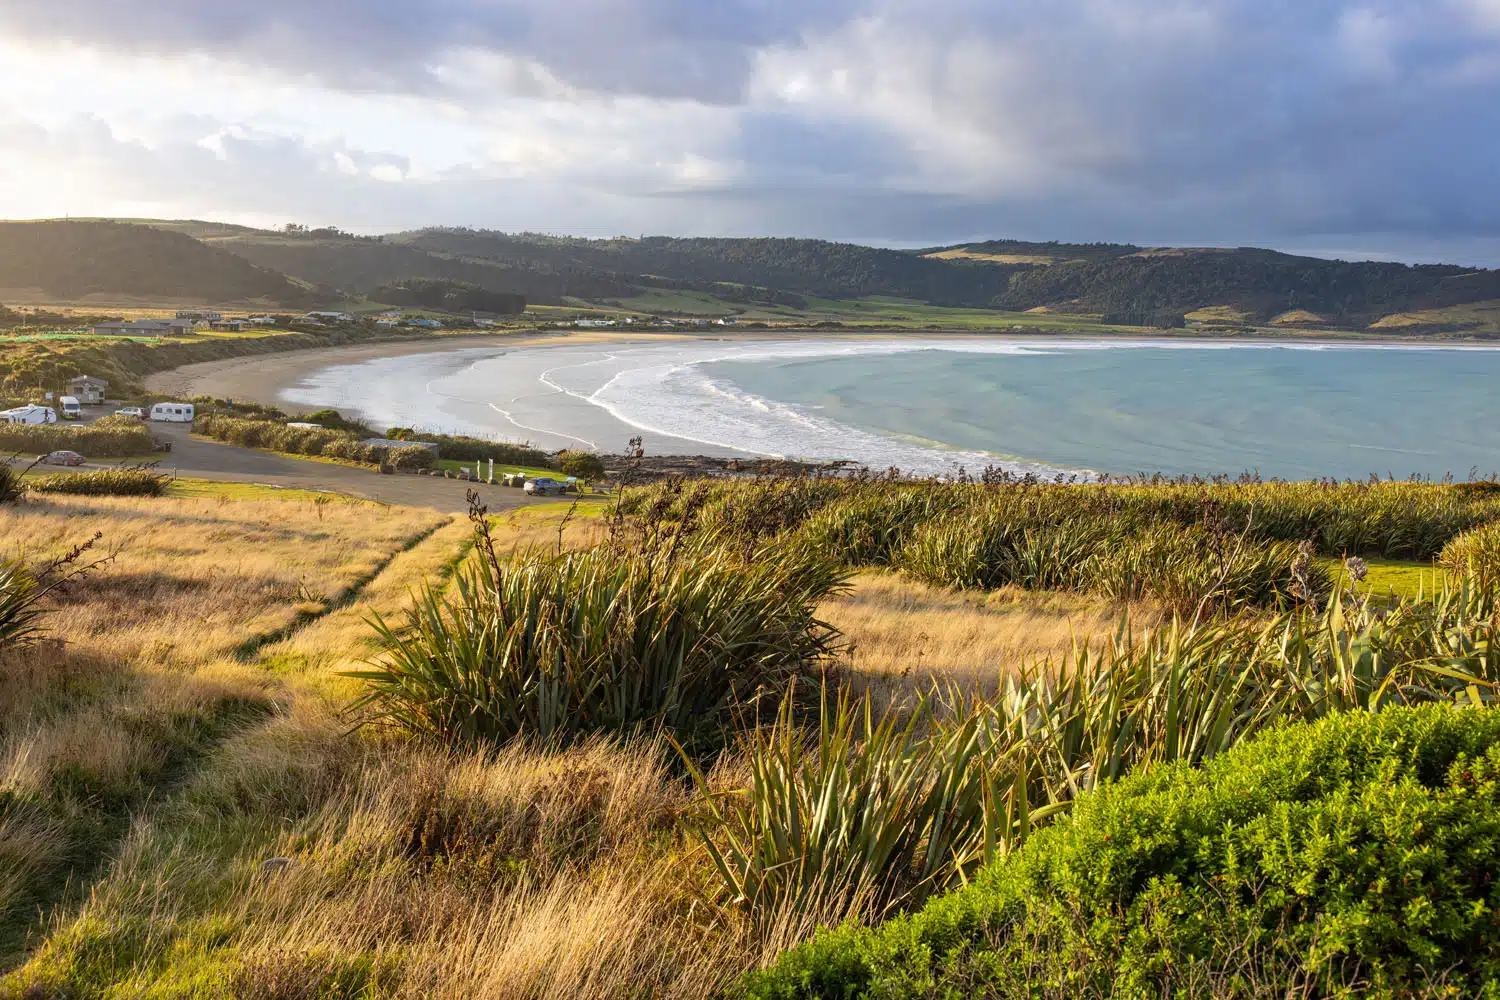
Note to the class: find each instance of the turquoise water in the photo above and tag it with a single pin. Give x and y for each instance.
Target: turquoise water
(1291, 413)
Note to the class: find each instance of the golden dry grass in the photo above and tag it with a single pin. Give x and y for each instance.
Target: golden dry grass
(192, 579)
(900, 628)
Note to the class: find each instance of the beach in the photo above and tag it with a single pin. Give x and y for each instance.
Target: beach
(930, 404)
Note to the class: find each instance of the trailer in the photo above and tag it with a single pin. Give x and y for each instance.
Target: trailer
(29, 414)
(173, 413)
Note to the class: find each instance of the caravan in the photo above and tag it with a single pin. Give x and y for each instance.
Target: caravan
(29, 414)
(176, 413)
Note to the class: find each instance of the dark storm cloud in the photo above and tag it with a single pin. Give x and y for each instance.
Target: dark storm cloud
(1368, 124)
(662, 48)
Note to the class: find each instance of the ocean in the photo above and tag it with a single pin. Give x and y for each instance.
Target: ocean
(932, 405)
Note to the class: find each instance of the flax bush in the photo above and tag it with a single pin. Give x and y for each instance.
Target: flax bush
(552, 647)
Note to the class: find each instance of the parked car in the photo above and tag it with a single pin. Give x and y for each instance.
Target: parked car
(71, 408)
(62, 458)
(543, 486)
(132, 411)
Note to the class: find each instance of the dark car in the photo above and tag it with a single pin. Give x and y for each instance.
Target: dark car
(62, 458)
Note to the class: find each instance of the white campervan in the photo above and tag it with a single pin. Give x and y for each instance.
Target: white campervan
(71, 410)
(177, 413)
(29, 414)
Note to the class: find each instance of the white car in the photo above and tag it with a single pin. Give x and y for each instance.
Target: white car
(132, 411)
(543, 486)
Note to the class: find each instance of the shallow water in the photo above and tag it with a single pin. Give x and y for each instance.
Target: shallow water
(1288, 410)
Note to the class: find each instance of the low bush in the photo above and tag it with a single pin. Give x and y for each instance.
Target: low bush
(1353, 856)
(123, 482)
(410, 458)
(462, 448)
(124, 439)
(584, 465)
(552, 647)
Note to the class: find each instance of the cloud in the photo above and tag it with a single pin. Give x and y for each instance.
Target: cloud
(1366, 124)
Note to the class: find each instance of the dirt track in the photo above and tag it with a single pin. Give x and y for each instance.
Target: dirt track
(197, 458)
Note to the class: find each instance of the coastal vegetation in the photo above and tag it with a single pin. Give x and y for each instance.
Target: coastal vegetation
(108, 437)
(726, 739)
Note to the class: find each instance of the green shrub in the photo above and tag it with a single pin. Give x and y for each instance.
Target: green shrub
(415, 457)
(584, 465)
(125, 439)
(1354, 856)
(124, 482)
(553, 647)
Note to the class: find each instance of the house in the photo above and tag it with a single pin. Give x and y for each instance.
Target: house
(228, 325)
(87, 389)
(426, 324)
(593, 323)
(261, 321)
(329, 317)
(145, 328)
(726, 321)
(200, 315)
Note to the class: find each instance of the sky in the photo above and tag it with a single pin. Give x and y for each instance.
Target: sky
(1354, 129)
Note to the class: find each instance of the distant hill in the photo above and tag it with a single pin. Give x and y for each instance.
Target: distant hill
(797, 266)
(1259, 284)
(1124, 284)
(72, 259)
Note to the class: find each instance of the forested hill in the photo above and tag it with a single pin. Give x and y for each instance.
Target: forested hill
(1125, 284)
(69, 260)
(1259, 283)
(796, 266)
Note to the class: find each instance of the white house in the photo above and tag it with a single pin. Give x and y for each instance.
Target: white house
(330, 317)
(593, 323)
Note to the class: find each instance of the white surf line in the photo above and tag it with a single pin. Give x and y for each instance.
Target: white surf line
(539, 430)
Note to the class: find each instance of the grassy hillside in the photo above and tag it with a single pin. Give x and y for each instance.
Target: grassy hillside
(70, 260)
